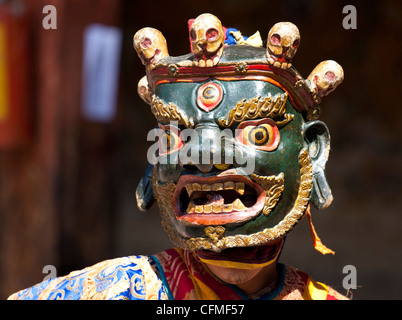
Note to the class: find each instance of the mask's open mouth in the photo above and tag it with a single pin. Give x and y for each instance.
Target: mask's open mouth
(217, 200)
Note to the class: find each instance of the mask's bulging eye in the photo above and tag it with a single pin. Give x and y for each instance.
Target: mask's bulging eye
(258, 136)
(261, 134)
(169, 140)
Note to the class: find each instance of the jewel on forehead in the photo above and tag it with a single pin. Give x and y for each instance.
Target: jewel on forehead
(209, 96)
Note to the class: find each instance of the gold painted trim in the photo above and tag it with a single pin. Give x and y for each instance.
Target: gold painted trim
(241, 67)
(287, 118)
(273, 187)
(215, 233)
(258, 107)
(166, 113)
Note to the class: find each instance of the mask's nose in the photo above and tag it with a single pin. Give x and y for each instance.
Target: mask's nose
(205, 149)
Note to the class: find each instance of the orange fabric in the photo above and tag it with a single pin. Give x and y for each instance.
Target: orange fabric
(318, 245)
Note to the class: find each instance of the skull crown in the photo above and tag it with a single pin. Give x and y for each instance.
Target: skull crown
(208, 41)
(325, 77)
(151, 46)
(282, 44)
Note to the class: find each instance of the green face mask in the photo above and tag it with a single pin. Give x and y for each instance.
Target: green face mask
(239, 153)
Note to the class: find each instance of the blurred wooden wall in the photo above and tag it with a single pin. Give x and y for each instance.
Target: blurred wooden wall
(45, 188)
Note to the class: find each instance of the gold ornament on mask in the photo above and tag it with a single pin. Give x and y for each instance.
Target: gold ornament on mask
(165, 113)
(258, 107)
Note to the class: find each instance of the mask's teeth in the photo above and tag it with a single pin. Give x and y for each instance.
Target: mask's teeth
(190, 208)
(217, 186)
(240, 188)
(207, 208)
(189, 189)
(217, 208)
(238, 205)
(212, 205)
(228, 185)
(201, 63)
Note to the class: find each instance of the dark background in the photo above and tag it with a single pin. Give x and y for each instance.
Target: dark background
(67, 198)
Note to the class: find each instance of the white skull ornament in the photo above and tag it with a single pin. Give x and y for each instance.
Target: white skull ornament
(325, 77)
(282, 44)
(143, 90)
(150, 45)
(207, 39)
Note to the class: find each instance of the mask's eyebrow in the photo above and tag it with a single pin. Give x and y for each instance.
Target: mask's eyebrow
(166, 113)
(258, 107)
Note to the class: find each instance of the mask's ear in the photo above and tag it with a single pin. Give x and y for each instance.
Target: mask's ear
(317, 136)
(145, 192)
